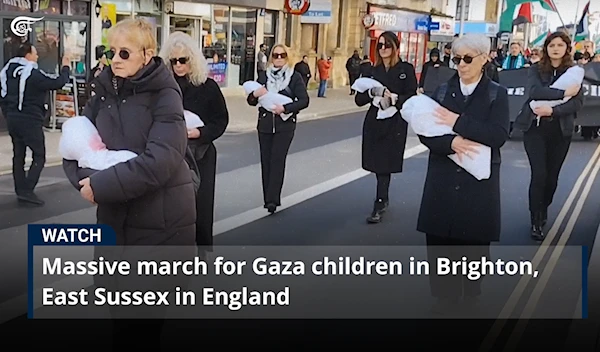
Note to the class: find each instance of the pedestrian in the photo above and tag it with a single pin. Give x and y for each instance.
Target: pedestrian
(548, 131)
(275, 132)
(515, 60)
(353, 68)
(459, 214)
(24, 92)
(434, 61)
(323, 66)
(366, 67)
(303, 69)
(148, 201)
(384, 140)
(261, 65)
(202, 96)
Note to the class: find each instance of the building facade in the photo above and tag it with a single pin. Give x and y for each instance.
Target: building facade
(481, 16)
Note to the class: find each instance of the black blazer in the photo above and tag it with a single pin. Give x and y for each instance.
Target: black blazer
(270, 123)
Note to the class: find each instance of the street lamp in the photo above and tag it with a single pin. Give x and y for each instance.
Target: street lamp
(98, 8)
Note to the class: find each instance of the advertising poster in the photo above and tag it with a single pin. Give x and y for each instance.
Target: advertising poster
(218, 72)
(109, 18)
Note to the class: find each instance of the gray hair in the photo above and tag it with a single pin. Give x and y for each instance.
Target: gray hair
(476, 42)
(198, 64)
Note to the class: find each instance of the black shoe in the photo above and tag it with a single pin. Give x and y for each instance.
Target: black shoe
(537, 228)
(379, 208)
(30, 198)
(271, 208)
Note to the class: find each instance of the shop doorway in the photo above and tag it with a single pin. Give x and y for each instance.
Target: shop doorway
(194, 27)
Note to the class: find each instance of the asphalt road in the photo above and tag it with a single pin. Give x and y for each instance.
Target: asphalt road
(326, 200)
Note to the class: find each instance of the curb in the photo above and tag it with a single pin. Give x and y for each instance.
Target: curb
(56, 161)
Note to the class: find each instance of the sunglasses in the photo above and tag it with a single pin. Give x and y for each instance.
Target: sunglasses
(123, 54)
(279, 55)
(384, 46)
(467, 59)
(182, 60)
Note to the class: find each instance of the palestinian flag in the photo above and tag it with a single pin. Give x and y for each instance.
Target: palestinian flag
(524, 15)
(548, 5)
(539, 41)
(582, 31)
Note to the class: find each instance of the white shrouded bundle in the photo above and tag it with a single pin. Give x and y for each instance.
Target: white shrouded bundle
(80, 141)
(574, 75)
(419, 111)
(192, 120)
(362, 85)
(269, 100)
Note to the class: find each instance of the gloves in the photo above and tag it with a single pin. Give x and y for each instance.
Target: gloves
(377, 91)
(385, 103)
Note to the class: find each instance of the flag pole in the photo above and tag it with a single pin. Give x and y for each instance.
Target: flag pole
(558, 13)
(575, 24)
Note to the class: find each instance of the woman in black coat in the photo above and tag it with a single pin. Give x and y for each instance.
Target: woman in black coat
(547, 139)
(274, 133)
(201, 96)
(384, 140)
(456, 208)
(148, 200)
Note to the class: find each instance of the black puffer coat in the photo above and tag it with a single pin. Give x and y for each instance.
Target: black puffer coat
(150, 199)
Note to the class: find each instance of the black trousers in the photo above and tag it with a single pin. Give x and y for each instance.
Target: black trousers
(205, 198)
(547, 150)
(383, 186)
(449, 286)
(27, 133)
(274, 149)
(353, 79)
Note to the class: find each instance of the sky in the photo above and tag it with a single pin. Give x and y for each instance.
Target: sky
(568, 10)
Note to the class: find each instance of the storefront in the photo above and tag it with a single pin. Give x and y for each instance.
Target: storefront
(228, 31)
(490, 30)
(62, 27)
(441, 30)
(411, 27)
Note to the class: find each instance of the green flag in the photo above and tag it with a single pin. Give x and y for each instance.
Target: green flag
(539, 41)
(507, 17)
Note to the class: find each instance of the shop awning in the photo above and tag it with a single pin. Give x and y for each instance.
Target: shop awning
(441, 38)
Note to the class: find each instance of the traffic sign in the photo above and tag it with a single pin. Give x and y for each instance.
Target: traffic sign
(434, 26)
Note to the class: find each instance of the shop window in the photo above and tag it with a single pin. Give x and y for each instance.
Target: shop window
(47, 7)
(420, 53)
(243, 44)
(216, 44)
(288, 30)
(46, 34)
(11, 41)
(75, 44)
(341, 23)
(76, 8)
(270, 28)
(404, 46)
(15, 6)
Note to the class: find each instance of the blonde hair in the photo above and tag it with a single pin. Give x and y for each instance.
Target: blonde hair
(285, 50)
(137, 31)
(198, 65)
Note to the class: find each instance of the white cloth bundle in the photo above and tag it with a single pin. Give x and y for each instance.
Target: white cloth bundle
(269, 100)
(419, 111)
(574, 75)
(192, 120)
(362, 85)
(80, 141)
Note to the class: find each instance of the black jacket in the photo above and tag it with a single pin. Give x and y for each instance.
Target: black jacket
(35, 94)
(304, 70)
(491, 71)
(206, 101)
(353, 65)
(455, 204)
(384, 140)
(150, 199)
(538, 84)
(430, 64)
(270, 123)
(366, 68)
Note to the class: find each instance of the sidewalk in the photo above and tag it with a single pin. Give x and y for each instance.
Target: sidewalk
(242, 118)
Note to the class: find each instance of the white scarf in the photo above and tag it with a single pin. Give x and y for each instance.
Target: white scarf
(25, 71)
(278, 78)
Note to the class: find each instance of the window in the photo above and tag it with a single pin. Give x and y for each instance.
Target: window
(51, 7)
(341, 23)
(46, 34)
(270, 32)
(288, 30)
(75, 44)
(458, 9)
(12, 42)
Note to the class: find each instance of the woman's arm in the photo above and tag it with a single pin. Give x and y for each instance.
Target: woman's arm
(571, 106)
(492, 132)
(299, 90)
(216, 108)
(410, 87)
(537, 91)
(441, 145)
(165, 150)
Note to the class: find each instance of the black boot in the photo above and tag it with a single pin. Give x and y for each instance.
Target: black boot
(537, 228)
(379, 208)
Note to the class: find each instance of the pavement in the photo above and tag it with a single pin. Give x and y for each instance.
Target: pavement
(242, 118)
(326, 198)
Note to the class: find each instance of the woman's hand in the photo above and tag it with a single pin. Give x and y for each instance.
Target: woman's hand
(543, 111)
(445, 116)
(278, 110)
(260, 92)
(86, 190)
(193, 133)
(462, 146)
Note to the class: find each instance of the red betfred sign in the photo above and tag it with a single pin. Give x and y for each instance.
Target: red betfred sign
(297, 7)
